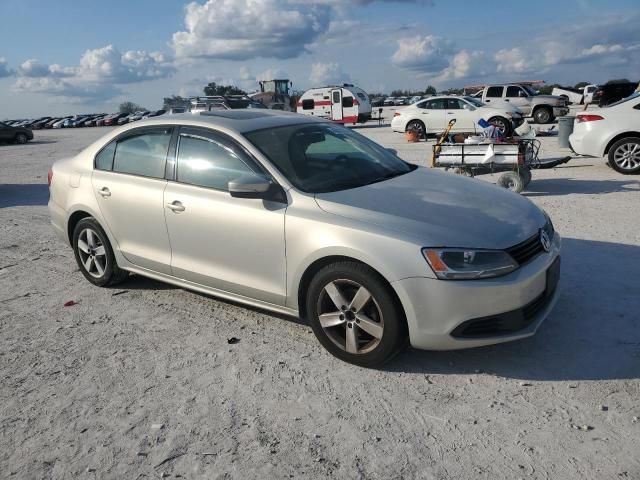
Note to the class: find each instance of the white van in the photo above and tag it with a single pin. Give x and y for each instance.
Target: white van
(343, 104)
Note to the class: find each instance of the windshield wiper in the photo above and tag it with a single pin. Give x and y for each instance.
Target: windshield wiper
(386, 176)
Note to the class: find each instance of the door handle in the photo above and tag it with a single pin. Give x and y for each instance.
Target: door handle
(176, 206)
(105, 192)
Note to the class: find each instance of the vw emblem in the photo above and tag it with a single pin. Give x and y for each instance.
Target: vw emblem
(545, 241)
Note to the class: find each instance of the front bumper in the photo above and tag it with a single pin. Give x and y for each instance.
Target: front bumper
(438, 311)
(560, 111)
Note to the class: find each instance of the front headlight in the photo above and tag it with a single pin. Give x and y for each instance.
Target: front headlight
(468, 264)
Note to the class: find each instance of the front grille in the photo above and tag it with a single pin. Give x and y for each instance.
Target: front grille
(527, 250)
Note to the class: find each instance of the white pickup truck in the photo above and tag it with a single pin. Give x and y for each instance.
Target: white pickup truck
(577, 96)
(543, 108)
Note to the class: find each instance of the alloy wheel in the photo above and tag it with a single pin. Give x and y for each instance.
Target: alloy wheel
(93, 255)
(627, 156)
(350, 316)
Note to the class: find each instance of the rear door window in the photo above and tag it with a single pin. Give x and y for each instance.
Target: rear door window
(438, 104)
(494, 92)
(143, 153)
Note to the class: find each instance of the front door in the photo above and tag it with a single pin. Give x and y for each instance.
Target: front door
(460, 111)
(232, 244)
(336, 104)
(517, 97)
(129, 184)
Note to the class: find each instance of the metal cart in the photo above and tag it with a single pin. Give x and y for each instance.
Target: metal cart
(514, 159)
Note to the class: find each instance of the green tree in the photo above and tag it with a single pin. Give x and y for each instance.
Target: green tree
(431, 90)
(581, 84)
(130, 107)
(214, 89)
(174, 101)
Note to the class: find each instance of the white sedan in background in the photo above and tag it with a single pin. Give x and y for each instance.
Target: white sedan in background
(612, 131)
(433, 115)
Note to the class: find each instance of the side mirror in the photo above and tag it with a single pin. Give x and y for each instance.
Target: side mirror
(256, 186)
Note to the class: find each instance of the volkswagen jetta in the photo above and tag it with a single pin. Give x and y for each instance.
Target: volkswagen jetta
(300, 216)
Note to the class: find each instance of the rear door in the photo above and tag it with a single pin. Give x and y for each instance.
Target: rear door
(129, 183)
(433, 114)
(494, 95)
(336, 104)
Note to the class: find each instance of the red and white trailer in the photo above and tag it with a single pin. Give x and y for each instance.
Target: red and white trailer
(345, 104)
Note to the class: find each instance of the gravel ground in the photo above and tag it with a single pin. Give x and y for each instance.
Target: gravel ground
(139, 381)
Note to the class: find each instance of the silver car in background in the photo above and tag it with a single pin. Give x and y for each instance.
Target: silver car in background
(300, 216)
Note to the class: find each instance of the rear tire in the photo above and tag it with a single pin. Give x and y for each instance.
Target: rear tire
(624, 156)
(543, 115)
(21, 139)
(355, 315)
(94, 254)
(418, 126)
(511, 181)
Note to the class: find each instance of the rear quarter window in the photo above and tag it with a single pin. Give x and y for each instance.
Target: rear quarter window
(104, 159)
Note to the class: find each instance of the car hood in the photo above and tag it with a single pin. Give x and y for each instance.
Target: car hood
(440, 209)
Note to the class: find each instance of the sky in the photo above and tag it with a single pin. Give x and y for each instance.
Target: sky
(66, 57)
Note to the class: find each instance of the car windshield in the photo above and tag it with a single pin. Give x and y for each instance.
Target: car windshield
(318, 158)
(633, 96)
(474, 101)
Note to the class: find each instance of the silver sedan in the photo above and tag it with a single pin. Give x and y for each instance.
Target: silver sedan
(300, 216)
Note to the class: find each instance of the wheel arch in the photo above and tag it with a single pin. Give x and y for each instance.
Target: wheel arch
(619, 137)
(322, 262)
(414, 119)
(74, 218)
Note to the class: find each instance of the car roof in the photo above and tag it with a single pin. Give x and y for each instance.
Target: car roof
(241, 120)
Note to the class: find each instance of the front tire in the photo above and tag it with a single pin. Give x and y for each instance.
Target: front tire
(543, 115)
(624, 156)
(94, 254)
(503, 124)
(21, 139)
(355, 315)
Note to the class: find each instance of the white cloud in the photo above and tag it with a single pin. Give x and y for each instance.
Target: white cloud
(424, 54)
(97, 75)
(328, 74)
(243, 29)
(4, 68)
(466, 64)
(515, 60)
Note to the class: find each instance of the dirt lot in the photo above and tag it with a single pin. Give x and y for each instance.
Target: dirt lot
(139, 381)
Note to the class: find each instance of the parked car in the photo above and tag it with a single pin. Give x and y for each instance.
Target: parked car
(389, 102)
(613, 91)
(433, 115)
(50, 123)
(113, 120)
(19, 135)
(543, 108)
(378, 251)
(612, 131)
(60, 122)
(377, 102)
(39, 124)
(176, 110)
